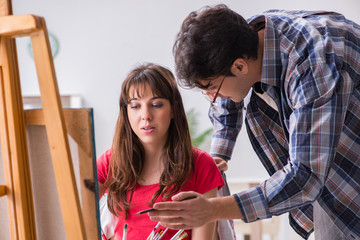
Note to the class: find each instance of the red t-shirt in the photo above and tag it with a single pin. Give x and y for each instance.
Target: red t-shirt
(205, 178)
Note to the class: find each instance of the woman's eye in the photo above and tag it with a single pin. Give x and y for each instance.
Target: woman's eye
(157, 105)
(133, 106)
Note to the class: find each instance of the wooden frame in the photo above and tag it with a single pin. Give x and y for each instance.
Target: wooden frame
(79, 124)
(12, 123)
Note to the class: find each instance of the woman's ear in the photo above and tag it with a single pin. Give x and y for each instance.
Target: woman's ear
(239, 67)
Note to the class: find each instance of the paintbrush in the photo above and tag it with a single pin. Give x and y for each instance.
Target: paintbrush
(125, 232)
(153, 231)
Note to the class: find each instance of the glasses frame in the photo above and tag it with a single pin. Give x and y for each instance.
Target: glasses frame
(218, 90)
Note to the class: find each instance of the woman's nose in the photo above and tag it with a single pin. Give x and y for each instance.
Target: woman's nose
(146, 115)
(146, 118)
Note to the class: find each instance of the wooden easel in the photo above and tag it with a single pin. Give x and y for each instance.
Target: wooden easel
(12, 126)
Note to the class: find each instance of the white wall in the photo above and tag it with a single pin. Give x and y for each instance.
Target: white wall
(100, 41)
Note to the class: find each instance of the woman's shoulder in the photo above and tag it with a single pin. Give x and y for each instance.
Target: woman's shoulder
(204, 169)
(200, 156)
(102, 164)
(105, 157)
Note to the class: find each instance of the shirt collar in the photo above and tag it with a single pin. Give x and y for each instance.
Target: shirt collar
(271, 64)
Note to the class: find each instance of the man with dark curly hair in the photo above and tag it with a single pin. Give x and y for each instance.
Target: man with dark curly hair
(295, 76)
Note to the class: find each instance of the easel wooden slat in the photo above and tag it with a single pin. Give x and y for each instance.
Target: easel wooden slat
(34, 117)
(79, 125)
(5, 8)
(5, 149)
(74, 119)
(14, 148)
(17, 26)
(15, 153)
(56, 131)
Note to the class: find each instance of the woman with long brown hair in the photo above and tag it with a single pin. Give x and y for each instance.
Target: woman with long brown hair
(151, 157)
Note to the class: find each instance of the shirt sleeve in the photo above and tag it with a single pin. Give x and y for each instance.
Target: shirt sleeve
(318, 94)
(207, 173)
(102, 165)
(227, 121)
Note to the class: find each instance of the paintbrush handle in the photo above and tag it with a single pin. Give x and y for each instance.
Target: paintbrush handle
(152, 209)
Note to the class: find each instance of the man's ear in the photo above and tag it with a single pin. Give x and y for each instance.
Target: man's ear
(239, 67)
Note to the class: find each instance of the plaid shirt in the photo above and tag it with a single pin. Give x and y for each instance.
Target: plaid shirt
(311, 145)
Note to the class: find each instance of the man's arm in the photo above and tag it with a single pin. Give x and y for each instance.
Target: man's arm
(196, 212)
(227, 121)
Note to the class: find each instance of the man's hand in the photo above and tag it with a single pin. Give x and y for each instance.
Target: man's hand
(185, 214)
(221, 164)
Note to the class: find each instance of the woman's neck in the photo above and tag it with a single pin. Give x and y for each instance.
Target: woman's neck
(153, 167)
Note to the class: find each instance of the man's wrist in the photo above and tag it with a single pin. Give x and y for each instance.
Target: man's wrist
(225, 208)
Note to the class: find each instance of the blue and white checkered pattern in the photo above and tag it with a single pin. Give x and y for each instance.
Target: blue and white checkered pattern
(311, 146)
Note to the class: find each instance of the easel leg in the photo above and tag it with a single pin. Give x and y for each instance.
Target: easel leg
(57, 136)
(14, 146)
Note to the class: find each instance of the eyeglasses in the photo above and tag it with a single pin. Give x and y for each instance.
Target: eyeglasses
(212, 99)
